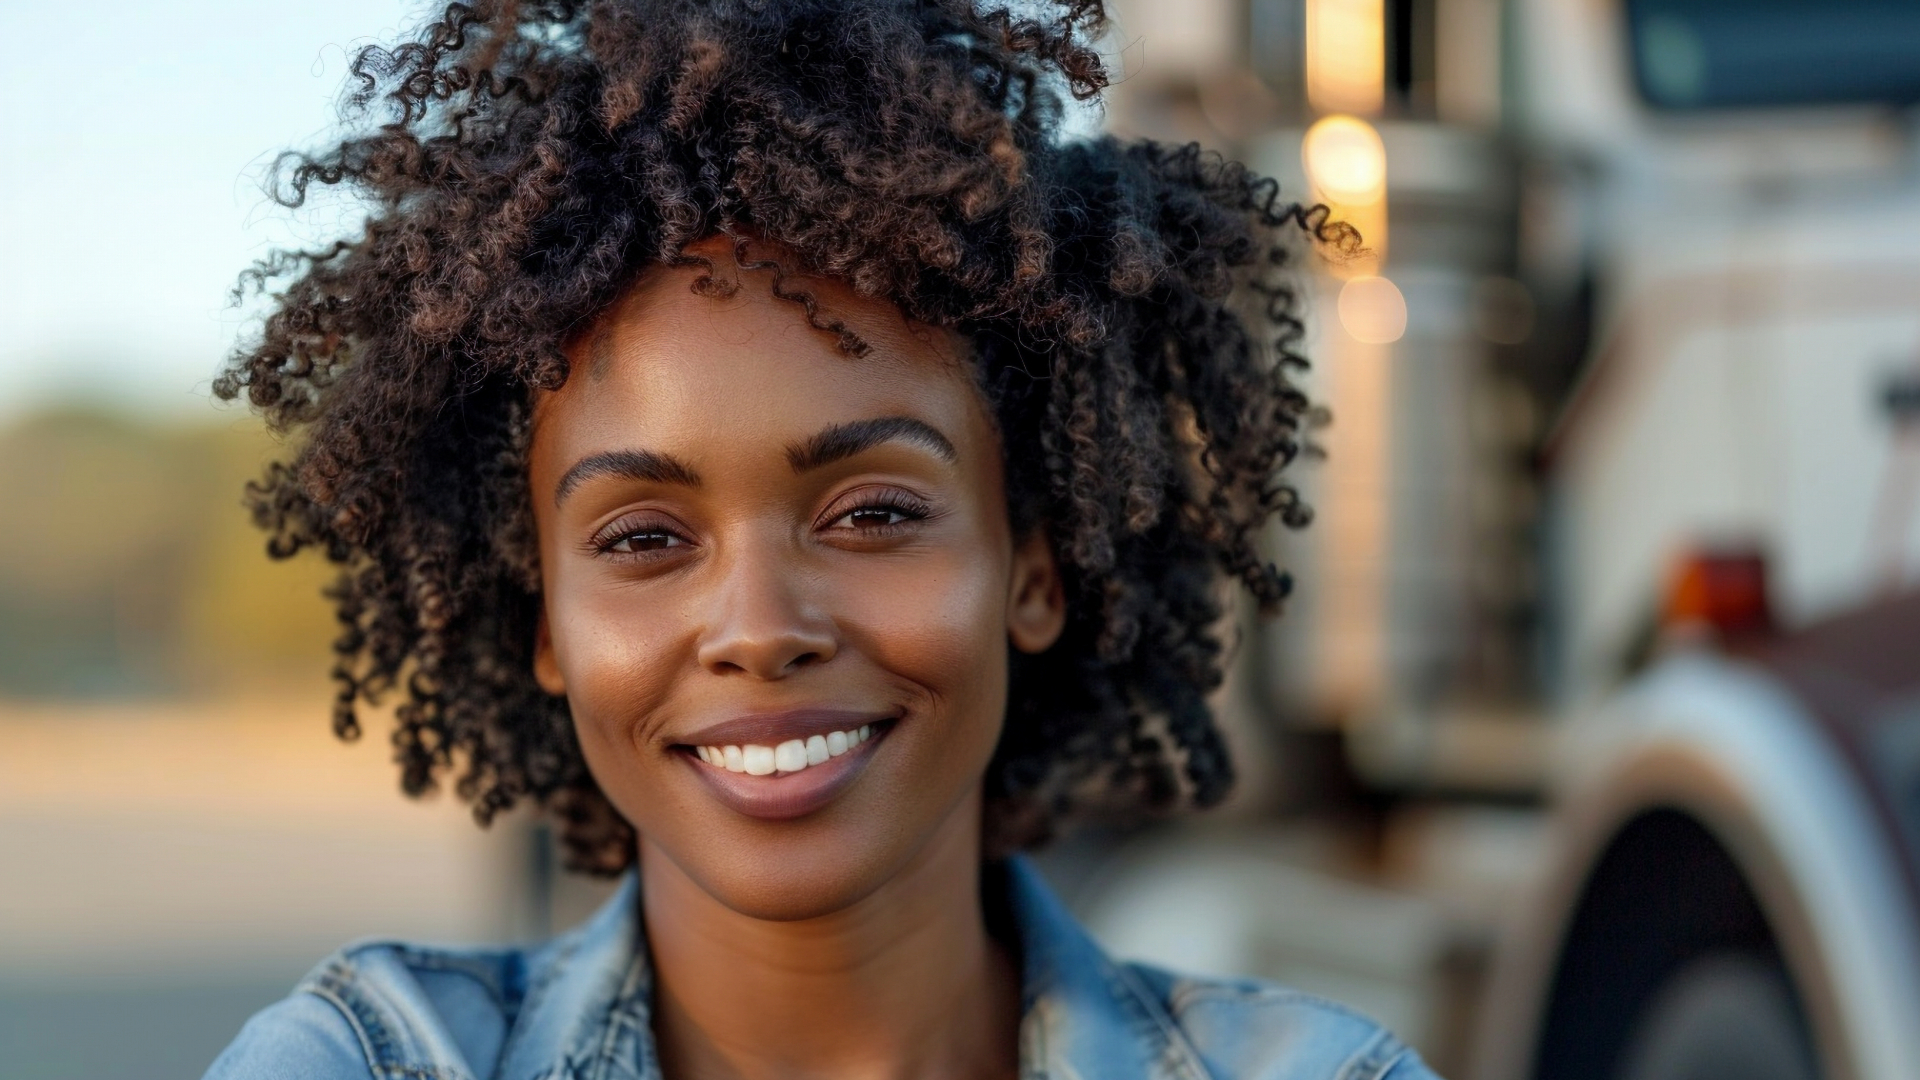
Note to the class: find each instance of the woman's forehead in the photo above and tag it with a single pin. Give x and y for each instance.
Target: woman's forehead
(674, 364)
(731, 304)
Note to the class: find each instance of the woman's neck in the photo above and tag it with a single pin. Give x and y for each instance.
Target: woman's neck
(904, 983)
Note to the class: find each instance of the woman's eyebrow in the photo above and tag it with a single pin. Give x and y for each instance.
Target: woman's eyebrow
(842, 441)
(627, 464)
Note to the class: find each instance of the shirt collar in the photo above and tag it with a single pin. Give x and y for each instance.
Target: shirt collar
(587, 1011)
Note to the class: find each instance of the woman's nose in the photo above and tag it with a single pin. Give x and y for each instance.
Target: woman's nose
(761, 621)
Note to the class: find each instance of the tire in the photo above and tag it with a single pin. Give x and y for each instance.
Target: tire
(1727, 1016)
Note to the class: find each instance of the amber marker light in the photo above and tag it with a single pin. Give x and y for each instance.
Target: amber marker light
(1724, 590)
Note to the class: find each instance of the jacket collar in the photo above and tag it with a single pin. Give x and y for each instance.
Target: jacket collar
(587, 1010)
(587, 1013)
(1085, 1017)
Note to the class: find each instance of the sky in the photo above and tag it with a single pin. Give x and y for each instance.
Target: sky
(133, 141)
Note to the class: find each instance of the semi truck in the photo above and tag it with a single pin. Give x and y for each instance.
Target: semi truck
(1590, 744)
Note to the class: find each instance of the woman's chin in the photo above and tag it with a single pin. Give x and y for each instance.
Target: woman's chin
(788, 871)
(796, 882)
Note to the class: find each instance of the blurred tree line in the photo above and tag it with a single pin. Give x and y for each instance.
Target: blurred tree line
(129, 567)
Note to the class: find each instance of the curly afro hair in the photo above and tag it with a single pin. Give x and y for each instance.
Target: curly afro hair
(521, 162)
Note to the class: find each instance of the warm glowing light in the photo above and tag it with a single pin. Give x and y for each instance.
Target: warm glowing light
(1346, 55)
(1346, 165)
(1345, 160)
(1372, 310)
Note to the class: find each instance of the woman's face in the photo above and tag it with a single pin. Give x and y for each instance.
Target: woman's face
(749, 539)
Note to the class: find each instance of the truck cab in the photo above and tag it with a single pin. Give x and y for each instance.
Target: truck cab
(1610, 620)
(1730, 884)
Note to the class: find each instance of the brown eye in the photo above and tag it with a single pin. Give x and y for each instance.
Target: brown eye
(870, 517)
(881, 512)
(644, 541)
(639, 537)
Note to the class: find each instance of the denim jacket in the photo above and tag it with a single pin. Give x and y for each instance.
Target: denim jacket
(577, 1008)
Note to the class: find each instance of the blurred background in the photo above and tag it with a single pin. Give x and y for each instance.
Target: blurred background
(1589, 746)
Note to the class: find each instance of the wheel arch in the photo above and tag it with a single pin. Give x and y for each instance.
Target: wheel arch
(1664, 891)
(1716, 761)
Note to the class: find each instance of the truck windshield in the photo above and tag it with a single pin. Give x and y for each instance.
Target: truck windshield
(1693, 54)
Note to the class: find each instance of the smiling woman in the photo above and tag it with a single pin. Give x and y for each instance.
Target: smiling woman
(752, 433)
(840, 563)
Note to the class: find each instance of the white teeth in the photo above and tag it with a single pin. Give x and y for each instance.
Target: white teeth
(759, 760)
(788, 757)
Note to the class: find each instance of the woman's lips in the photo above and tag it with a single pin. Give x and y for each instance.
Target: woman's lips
(783, 765)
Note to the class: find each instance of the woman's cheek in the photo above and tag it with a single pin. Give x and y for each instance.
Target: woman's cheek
(618, 660)
(938, 623)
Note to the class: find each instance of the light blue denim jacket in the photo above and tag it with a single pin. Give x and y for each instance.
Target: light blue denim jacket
(577, 1008)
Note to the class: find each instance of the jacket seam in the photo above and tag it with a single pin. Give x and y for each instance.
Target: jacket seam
(473, 968)
(372, 1026)
(1375, 1058)
(377, 1045)
(627, 1020)
(535, 991)
(1194, 991)
(1186, 1059)
(325, 992)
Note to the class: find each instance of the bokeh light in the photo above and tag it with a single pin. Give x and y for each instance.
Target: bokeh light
(1346, 55)
(1373, 311)
(1345, 159)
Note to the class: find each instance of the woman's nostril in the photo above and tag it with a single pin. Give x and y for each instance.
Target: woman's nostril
(766, 659)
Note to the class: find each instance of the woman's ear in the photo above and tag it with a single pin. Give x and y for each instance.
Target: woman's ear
(546, 666)
(1036, 599)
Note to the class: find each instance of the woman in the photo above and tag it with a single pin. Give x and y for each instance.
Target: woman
(749, 431)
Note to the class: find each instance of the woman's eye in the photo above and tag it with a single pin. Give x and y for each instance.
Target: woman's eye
(868, 517)
(882, 516)
(642, 541)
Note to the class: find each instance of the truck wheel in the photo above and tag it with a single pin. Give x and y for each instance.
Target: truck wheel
(1726, 1015)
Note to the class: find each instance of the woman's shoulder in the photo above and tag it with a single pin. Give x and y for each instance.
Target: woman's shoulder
(1249, 1029)
(382, 1008)
(395, 1008)
(300, 1037)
